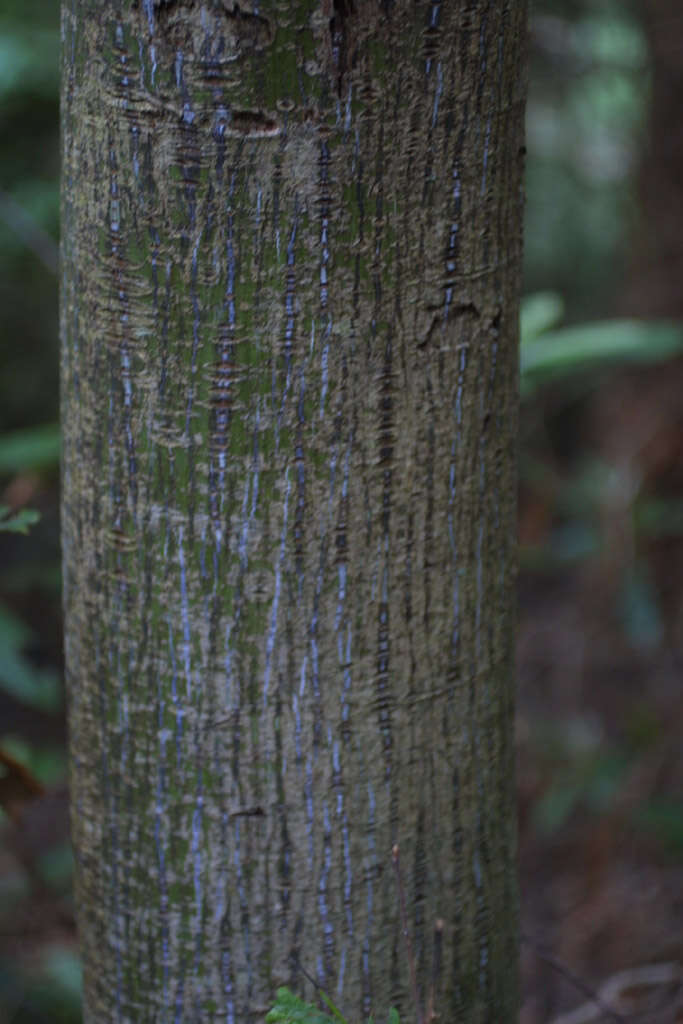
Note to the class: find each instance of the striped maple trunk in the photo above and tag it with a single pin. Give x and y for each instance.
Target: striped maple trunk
(291, 261)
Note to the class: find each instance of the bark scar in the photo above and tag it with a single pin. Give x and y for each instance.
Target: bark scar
(253, 123)
(248, 812)
(245, 30)
(455, 311)
(252, 30)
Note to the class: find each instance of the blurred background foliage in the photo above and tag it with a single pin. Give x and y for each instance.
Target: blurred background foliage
(601, 506)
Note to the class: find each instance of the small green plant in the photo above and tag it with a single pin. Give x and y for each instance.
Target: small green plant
(289, 1009)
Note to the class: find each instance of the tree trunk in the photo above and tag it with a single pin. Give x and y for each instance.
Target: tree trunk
(291, 261)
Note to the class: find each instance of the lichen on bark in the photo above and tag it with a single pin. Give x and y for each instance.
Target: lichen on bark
(291, 256)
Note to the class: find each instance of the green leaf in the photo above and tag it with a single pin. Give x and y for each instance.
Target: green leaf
(33, 449)
(556, 805)
(289, 1009)
(538, 313)
(557, 354)
(17, 522)
(63, 967)
(18, 676)
(29, 62)
(639, 609)
(56, 866)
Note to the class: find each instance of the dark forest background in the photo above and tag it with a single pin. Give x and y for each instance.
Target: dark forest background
(600, 714)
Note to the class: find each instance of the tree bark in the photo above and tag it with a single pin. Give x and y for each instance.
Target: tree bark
(291, 261)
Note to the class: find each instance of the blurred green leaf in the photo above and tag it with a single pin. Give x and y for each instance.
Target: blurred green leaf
(31, 215)
(28, 61)
(18, 676)
(603, 779)
(32, 449)
(47, 764)
(574, 541)
(664, 817)
(588, 779)
(63, 967)
(13, 632)
(557, 354)
(640, 609)
(611, 38)
(50, 991)
(570, 543)
(556, 805)
(17, 522)
(538, 313)
(55, 866)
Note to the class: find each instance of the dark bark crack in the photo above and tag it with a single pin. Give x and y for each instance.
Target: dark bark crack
(340, 38)
(252, 30)
(253, 123)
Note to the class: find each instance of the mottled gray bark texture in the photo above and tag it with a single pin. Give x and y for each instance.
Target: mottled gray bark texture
(291, 259)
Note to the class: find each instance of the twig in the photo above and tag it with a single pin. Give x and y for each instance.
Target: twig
(316, 984)
(614, 989)
(594, 997)
(319, 988)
